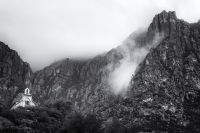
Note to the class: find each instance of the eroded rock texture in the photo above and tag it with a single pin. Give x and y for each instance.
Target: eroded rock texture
(166, 84)
(13, 74)
(84, 82)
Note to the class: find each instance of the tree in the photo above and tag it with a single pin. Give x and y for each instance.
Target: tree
(92, 124)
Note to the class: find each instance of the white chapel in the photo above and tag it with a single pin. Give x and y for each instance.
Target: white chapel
(23, 100)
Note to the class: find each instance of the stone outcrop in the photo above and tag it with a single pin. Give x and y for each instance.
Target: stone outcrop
(168, 78)
(196, 26)
(13, 74)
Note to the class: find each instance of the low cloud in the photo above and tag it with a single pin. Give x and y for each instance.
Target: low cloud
(134, 54)
(42, 31)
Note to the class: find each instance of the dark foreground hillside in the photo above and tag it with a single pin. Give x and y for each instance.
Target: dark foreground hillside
(59, 116)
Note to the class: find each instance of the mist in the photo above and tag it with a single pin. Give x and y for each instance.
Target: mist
(119, 79)
(49, 30)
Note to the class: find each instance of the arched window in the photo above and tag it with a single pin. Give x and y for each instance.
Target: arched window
(27, 91)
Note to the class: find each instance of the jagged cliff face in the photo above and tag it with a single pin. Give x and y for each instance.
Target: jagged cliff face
(167, 82)
(84, 82)
(92, 84)
(13, 74)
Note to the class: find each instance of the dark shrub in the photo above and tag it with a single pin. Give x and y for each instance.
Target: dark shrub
(44, 117)
(60, 104)
(92, 124)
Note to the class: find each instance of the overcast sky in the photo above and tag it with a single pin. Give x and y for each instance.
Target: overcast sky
(43, 31)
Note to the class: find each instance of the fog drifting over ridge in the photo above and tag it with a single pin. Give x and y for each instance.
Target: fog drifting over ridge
(45, 31)
(120, 78)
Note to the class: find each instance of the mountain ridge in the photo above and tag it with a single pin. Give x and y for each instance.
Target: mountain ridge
(168, 74)
(14, 73)
(163, 64)
(102, 62)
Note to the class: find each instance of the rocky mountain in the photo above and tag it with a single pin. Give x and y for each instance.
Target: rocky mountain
(14, 74)
(84, 82)
(166, 83)
(92, 84)
(150, 83)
